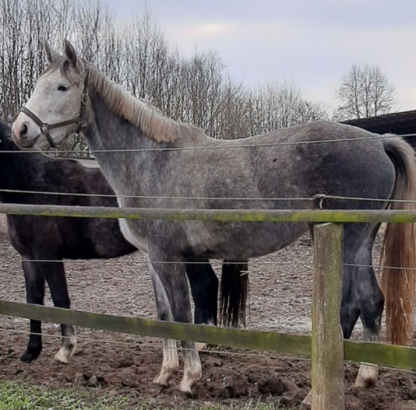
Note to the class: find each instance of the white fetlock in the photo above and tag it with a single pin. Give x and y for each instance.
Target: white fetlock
(200, 346)
(64, 354)
(308, 399)
(170, 364)
(162, 380)
(367, 375)
(166, 373)
(192, 373)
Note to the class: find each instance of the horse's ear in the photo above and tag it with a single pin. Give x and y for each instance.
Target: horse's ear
(70, 53)
(51, 54)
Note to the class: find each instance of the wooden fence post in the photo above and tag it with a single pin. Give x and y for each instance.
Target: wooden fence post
(327, 339)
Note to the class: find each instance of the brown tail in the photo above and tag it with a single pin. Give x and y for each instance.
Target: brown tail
(398, 285)
(234, 290)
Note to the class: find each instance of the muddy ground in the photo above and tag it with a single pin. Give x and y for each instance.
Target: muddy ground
(280, 293)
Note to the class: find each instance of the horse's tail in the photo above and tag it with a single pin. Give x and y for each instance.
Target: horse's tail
(234, 291)
(398, 276)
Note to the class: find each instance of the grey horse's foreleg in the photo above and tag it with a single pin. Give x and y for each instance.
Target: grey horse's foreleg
(170, 363)
(173, 303)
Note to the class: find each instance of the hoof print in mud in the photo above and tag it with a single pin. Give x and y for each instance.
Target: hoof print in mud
(234, 386)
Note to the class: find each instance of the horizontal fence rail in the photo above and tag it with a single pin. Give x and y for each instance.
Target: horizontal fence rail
(245, 339)
(214, 215)
(374, 353)
(327, 371)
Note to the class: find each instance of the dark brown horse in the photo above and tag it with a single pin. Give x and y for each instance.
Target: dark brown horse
(43, 242)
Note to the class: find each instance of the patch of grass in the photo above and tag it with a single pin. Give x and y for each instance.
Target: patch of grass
(19, 396)
(22, 396)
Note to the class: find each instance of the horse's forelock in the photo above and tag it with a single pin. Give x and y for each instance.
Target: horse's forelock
(71, 73)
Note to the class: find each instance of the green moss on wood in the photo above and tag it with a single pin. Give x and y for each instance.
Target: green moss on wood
(217, 215)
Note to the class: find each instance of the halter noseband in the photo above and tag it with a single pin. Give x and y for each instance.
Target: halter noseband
(45, 127)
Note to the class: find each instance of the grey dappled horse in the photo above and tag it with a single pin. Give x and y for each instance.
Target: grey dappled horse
(144, 154)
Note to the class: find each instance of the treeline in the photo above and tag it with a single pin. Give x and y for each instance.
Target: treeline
(137, 55)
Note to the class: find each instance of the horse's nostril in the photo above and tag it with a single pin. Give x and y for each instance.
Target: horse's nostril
(23, 130)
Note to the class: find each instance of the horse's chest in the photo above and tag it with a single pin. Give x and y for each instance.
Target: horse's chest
(133, 237)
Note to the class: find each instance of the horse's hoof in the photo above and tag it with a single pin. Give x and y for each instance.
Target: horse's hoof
(158, 388)
(306, 402)
(61, 357)
(66, 351)
(200, 346)
(367, 376)
(185, 388)
(30, 355)
(64, 355)
(187, 394)
(161, 381)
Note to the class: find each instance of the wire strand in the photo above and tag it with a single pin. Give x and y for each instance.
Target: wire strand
(221, 146)
(153, 346)
(253, 264)
(209, 198)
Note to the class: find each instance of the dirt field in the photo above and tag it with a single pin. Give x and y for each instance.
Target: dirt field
(280, 293)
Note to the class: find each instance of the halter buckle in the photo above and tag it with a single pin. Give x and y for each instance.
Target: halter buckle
(44, 128)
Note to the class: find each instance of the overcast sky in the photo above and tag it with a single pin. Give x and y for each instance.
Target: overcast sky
(313, 43)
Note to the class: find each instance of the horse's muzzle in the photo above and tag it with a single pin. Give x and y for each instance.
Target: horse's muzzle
(21, 137)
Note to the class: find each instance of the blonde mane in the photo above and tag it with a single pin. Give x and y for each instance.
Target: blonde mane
(139, 113)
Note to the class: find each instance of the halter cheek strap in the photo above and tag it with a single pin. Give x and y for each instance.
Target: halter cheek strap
(45, 127)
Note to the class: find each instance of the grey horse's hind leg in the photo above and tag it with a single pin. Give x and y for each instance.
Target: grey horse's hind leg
(368, 294)
(350, 303)
(204, 288)
(372, 304)
(361, 295)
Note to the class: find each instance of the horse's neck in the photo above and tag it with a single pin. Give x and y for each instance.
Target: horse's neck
(112, 130)
(112, 140)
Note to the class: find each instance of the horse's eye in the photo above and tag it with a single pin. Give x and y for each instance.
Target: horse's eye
(62, 88)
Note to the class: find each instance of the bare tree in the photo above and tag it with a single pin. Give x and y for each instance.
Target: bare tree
(282, 105)
(137, 55)
(365, 92)
(24, 27)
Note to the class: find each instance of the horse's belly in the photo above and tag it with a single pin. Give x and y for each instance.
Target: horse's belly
(245, 241)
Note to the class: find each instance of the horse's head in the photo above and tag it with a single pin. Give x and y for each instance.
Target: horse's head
(55, 109)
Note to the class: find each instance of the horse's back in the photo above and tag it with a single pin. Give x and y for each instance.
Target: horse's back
(324, 158)
(297, 162)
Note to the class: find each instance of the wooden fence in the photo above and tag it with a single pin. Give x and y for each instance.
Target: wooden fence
(326, 347)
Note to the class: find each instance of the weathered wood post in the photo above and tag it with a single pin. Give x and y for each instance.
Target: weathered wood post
(327, 339)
